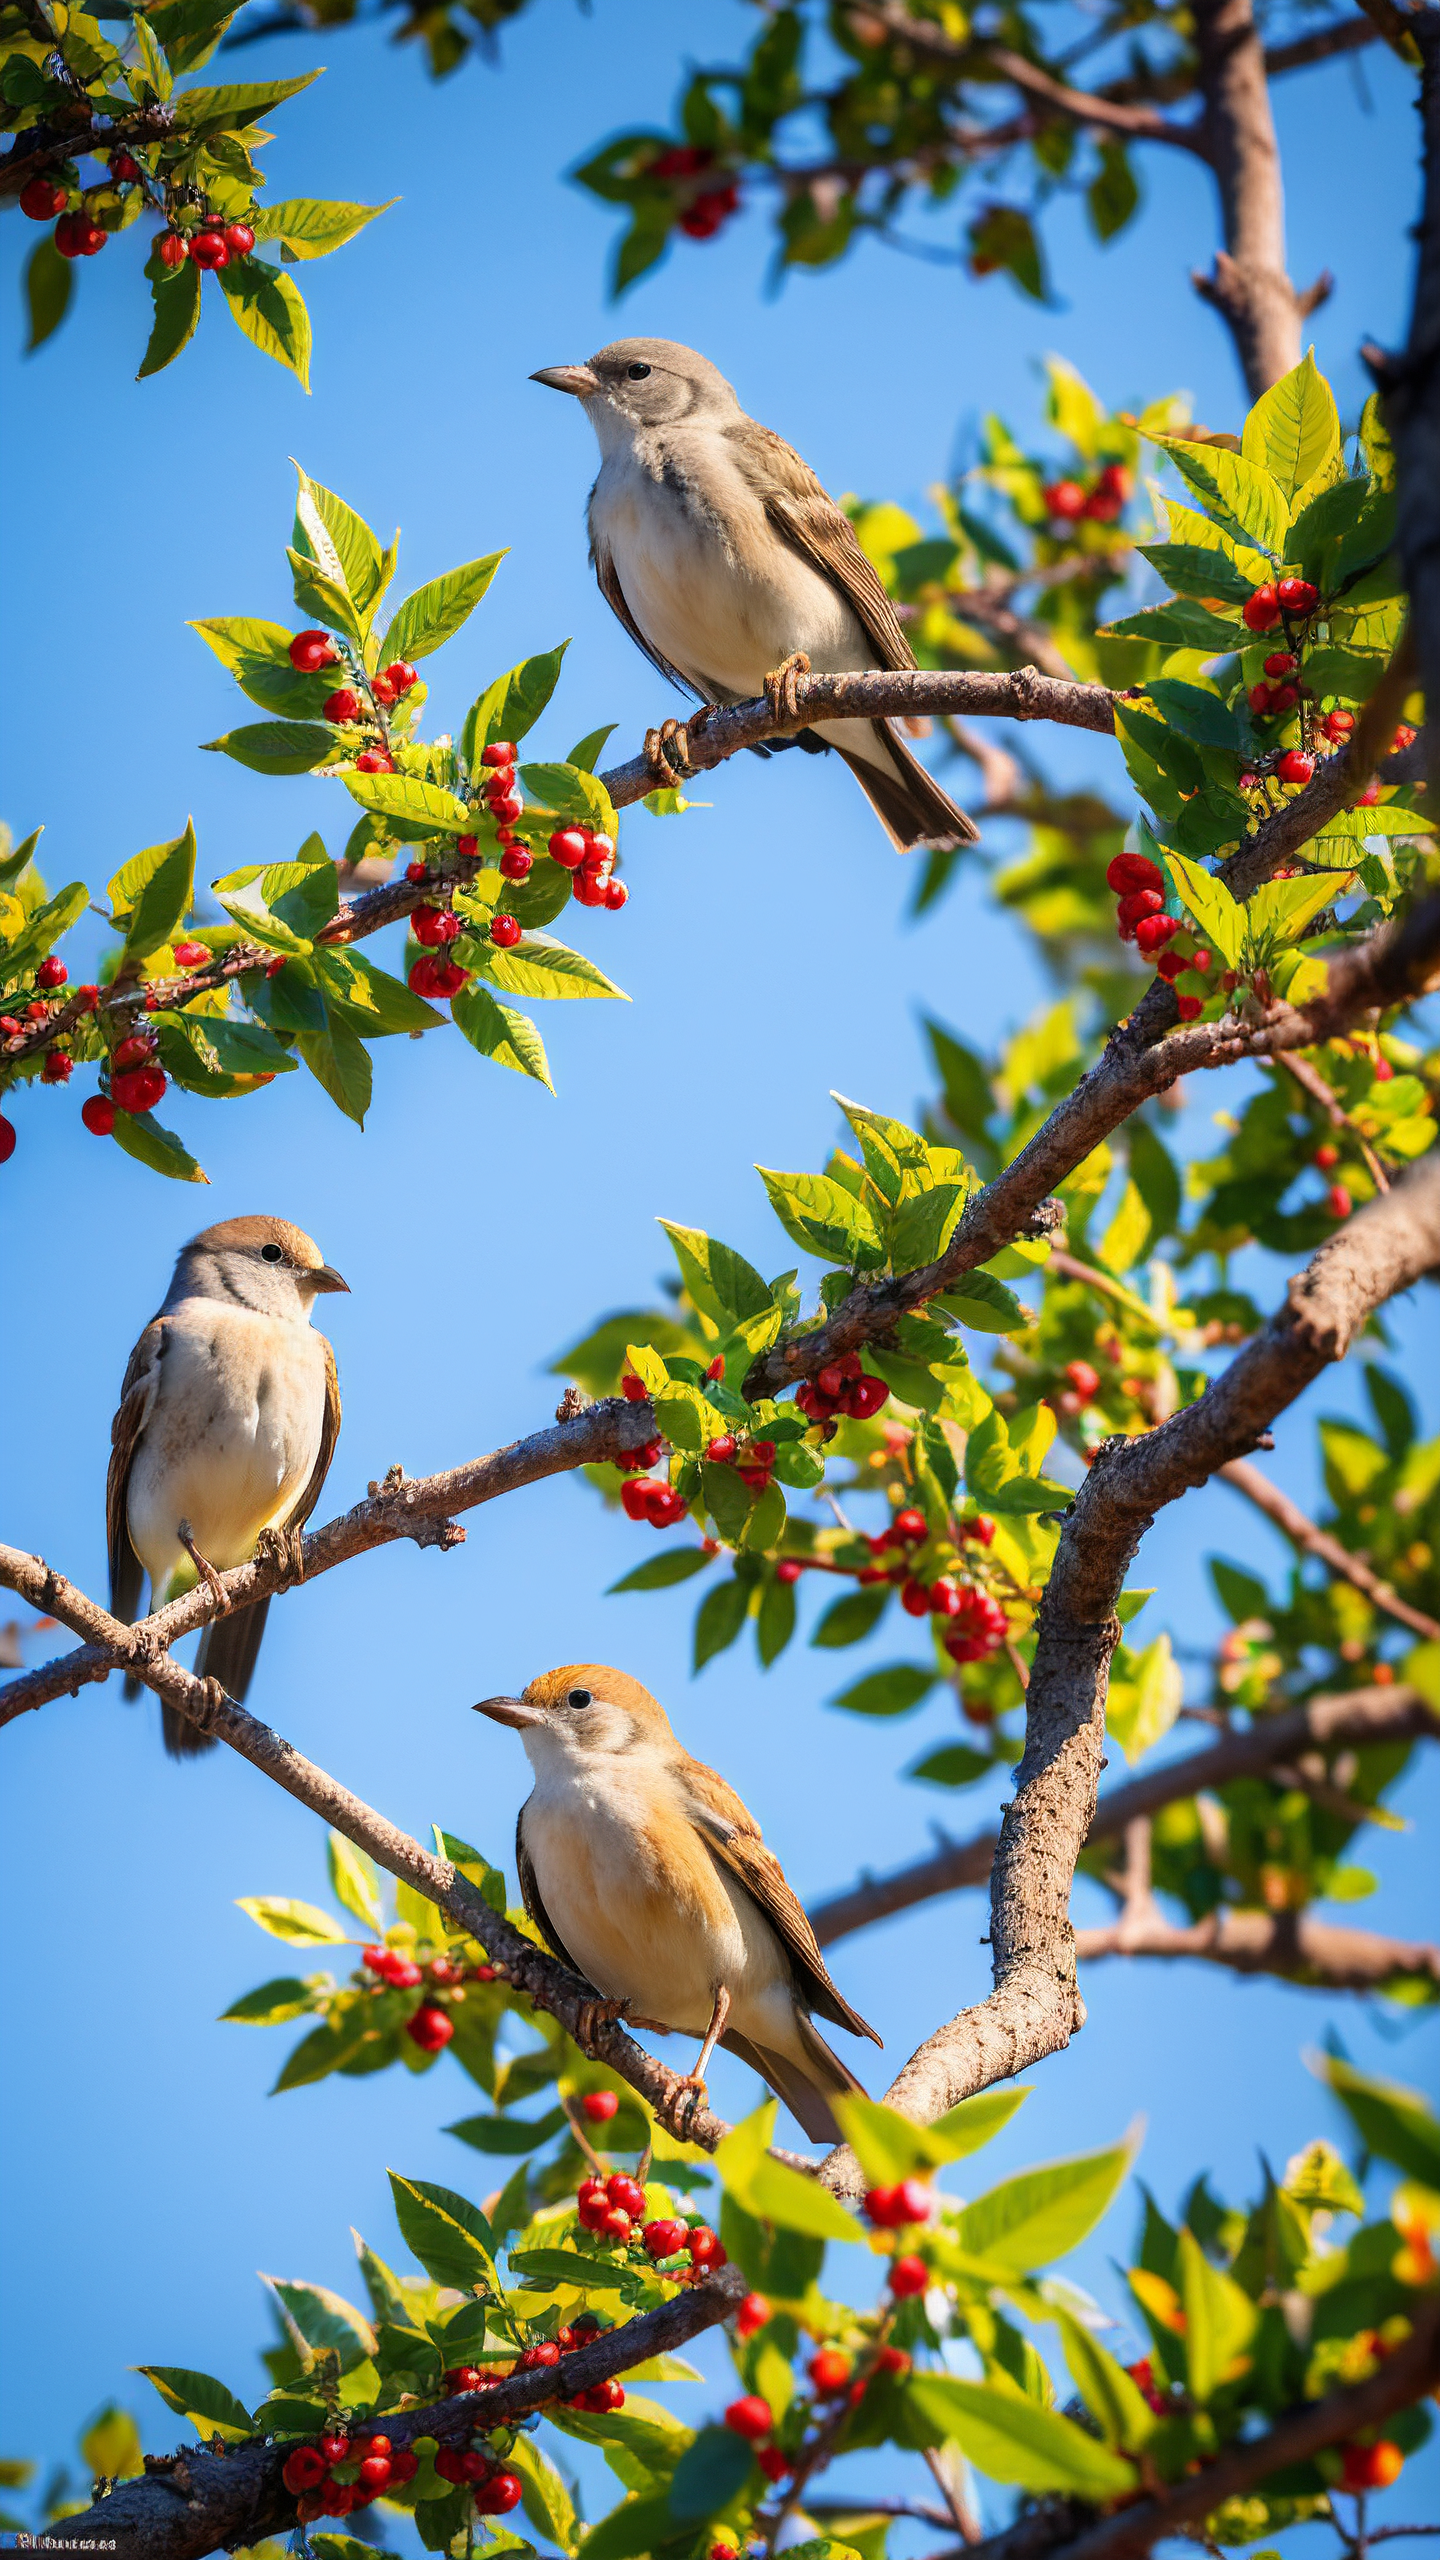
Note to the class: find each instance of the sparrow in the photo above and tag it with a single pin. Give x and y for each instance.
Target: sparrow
(229, 1415)
(646, 1875)
(732, 569)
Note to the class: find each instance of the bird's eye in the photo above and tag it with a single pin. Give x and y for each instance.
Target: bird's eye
(271, 1253)
(636, 372)
(582, 1697)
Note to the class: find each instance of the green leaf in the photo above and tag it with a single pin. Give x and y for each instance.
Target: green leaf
(110, 2446)
(773, 2193)
(1194, 569)
(819, 1214)
(140, 1135)
(321, 598)
(890, 2146)
(953, 1765)
(509, 2135)
(280, 746)
(891, 1692)
(300, 1924)
(659, 1573)
(1144, 1698)
(775, 1623)
(1394, 2122)
(498, 1032)
(339, 1060)
(1112, 2398)
(371, 1001)
(161, 901)
(1220, 2320)
(188, 30)
(49, 284)
(450, 2237)
(339, 541)
(1112, 196)
(271, 2004)
(922, 1226)
(546, 2269)
(510, 707)
(1196, 712)
(721, 1282)
(270, 311)
(1294, 428)
(1041, 2214)
(436, 612)
(1013, 2440)
(851, 1618)
(587, 751)
(310, 228)
(985, 1304)
(539, 966)
(402, 795)
(709, 2474)
(199, 112)
(1238, 491)
(720, 1619)
(1126, 1236)
(547, 2501)
(321, 2321)
(573, 793)
(1219, 916)
(200, 2398)
(176, 295)
(636, 2525)
(354, 1880)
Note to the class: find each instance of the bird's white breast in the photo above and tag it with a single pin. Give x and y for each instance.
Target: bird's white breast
(233, 1435)
(710, 584)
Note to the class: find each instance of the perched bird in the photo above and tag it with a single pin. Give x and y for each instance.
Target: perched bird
(724, 558)
(647, 1876)
(228, 1420)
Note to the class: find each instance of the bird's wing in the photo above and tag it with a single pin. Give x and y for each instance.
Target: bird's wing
(805, 516)
(329, 1434)
(733, 1836)
(530, 1896)
(138, 1391)
(608, 580)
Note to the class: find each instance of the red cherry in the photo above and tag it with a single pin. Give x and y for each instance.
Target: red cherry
(435, 926)
(721, 1449)
(500, 752)
(1296, 595)
(830, 2371)
(775, 2464)
(343, 704)
(402, 1973)
(59, 1067)
(908, 2276)
(626, 2193)
(209, 252)
(138, 1089)
(506, 809)
(1189, 1008)
(42, 199)
(542, 2354)
(76, 236)
(1281, 663)
(1128, 871)
(192, 955)
(51, 972)
(374, 760)
(909, 1525)
(404, 2465)
(1371, 2466)
(616, 895)
(415, 872)
(864, 1397)
(1153, 932)
(1283, 698)
(239, 239)
(705, 2249)
(1338, 724)
(1326, 1157)
(430, 2028)
(789, 1569)
(172, 249)
(123, 170)
(753, 2313)
(1383, 1071)
(1295, 766)
(98, 1113)
(1065, 500)
(304, 2469)
(915, 1599)
(1338, 1201)
(383, 691)
(749, 2416)
(312, 650)
(515, 863)
(135, 1050)
(1369, 796)
(334, 2448)
(450, 2463)
(1260, 700)
(568, 847)
(614, 2223)
(500, 2494)
(1084, 1379)
(1171, 964)
(599, 2105)
(1261, 611)
(505, 932)
(588, 888)
(375, 2469)
(1135, 904)
(664, 2238)
(7, 1139)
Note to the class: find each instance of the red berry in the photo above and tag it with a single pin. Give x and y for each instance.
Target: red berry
(1338, 1201)
(415, 872)
(908, 2276)
(615, 2223)
(506, 809)
(749, 2416)
(501, 751)
(1065, 500)
(134, 1051)
(864, 1397)
(375, 2469)
(42, 199)
(542, 2354)
(1084, 1379)
(568, 847)
(172, 249)
(721, 1449)
(76, 236)
(1171, 964)
(1326, 1157)
(616, 895)
(789, 1569)
(1261, 611)
(208, 251)
(1296, 595)
(382, 690)
(1338, 724)
(430, 2028)
(892, 2360)
(374, 760)
(304, 2469)
(404, 2465)
(98, 1113)
(1283, 698)
(1371, 2466)
(830, 2371)
(1135, 904)
(123, 170)
(599, 2105)
(450, 2463)
(705, 2249)
(1128, 871)
(626, 2193)
(775, 2464)
(1260, 700)
(7, 1139)
(334, 2448)
(191, 955)
(882, 2207)
(1295, 766)
(635, 1497)
(499, 2495)
(239, 239)
(915, 1599)
(1153, 932)
(914, 2201)
(515, 862)
(343, 704)
(505, 932)
(435, 926)
(664, 2238)
(401, 1972)
(909, 1525)
(1383, 1071)
(138, 1089)
(59, 1067)
(753, 2313)
(312, 650)
(633, 1389)
(51, 972)
(437, 978)
(1369, 795)
(1189, 1008)
(398, 677)
(1281, 663)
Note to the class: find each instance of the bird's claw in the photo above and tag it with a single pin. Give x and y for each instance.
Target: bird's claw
(779, 686)
(204, 1568)
(284, 1551)
(594, 2016)
(686, 2104)
(667, 753)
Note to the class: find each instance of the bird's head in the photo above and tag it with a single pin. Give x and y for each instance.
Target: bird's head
(584, 1711)
(261, 1263)
(639, 383)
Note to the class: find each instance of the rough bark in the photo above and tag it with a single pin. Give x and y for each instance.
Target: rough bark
(1410, 383)
(1248, 284)
(1292, 1944)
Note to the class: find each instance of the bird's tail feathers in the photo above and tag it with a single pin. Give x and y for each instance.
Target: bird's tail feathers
(227, 1653)
(807, 2084)
(907, 800)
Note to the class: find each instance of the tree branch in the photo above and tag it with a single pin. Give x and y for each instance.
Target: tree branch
(1311, 1541)
(1248, 284)
(1336, 784)
(1035, 2007)
(1411, 386)
(1352, 1718)
(1292, 1944)
(204, 2501)
(1086, 107)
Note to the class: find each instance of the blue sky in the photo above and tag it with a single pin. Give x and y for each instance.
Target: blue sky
(481, 1223)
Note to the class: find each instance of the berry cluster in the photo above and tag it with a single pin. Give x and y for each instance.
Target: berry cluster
(1068, 501)
(362, 699)
(1337, 1198)
(613, 2207)
(752, 1460)
(1139, 885)
(430, 2024)
(648, 1498)
(707, 207)
(589, 857)
(901, 2207)
(1287, 600)
(842, 1386)
(214, 245)
(340, 2474)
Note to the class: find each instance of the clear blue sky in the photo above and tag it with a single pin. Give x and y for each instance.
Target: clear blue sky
(482, 1224)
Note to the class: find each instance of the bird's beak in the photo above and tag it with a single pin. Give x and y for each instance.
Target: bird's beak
(575, 378)
(512, 1711)
(327, 1280)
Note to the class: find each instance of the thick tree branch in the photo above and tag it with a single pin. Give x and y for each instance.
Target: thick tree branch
(420, 1508)
(1035, 2007)
(1248, 285)
(1293, 1944)
(1142, 1058)
(1410, 383)
(1303, 1533)
(207, 2501)
(1351, 1719)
